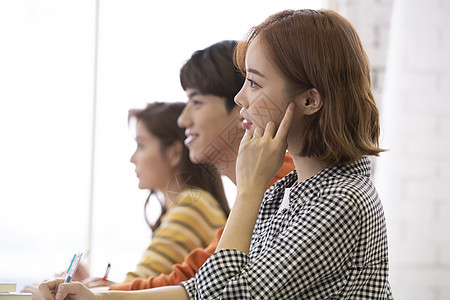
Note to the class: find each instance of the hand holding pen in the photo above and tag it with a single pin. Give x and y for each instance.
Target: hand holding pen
(57, 289)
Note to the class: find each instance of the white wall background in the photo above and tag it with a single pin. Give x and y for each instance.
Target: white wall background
(408, 42)
(46, 102)
(414, 175)
(46, 80)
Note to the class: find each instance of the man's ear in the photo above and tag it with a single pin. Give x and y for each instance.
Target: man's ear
(174, 153)
(311, 101)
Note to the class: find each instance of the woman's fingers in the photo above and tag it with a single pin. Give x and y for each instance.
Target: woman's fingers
(271, 129)
(285, 124)
(258, 132)
(75, 290)
(48, 289)
(58, 290)
(247, 136)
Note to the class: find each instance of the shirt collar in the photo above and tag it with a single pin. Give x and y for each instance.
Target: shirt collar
(359, 167)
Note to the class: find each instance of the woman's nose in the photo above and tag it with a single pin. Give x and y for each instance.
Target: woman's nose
(240, 100)
(132, 158)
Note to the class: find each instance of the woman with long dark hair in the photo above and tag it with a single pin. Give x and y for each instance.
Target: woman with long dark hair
(193, 203)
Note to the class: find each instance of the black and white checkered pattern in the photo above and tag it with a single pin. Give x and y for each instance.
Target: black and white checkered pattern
(329, 244)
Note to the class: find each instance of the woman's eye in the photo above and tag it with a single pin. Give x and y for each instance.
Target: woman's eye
(252, 84)
(139, 146)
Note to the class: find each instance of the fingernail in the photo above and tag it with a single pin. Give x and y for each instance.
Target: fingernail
(292, 105)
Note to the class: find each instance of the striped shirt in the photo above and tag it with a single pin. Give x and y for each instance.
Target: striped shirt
(190, 223)
(328, 242)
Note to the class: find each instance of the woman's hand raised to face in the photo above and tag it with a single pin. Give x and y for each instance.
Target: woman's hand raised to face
(261, 154)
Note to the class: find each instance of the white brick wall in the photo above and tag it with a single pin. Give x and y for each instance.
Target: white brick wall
(410, 59)
(371, 18)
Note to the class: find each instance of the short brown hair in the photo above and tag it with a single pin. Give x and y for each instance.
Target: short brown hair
(321, 49)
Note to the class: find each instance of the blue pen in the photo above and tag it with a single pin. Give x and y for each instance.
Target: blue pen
(73, 267)
(75, 255)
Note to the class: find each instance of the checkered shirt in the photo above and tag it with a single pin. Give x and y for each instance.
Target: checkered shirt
(329, 243)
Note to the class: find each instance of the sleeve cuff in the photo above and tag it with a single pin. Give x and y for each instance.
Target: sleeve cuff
(217, 271)
(189, 286)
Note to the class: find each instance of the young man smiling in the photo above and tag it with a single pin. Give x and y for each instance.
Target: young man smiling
(213, 134)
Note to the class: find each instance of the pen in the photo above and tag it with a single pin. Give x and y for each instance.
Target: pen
(106, 272)
(73, 267)
(70, 266)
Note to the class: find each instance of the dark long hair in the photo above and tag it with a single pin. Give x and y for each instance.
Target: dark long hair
(160, 118)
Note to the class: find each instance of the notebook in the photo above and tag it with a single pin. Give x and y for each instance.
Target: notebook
(6, 287)
(8, 291)
(15, 296)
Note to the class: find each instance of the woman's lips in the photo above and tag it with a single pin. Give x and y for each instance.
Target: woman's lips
(246, 124)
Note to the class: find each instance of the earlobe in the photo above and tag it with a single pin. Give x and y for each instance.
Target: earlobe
(313, 102)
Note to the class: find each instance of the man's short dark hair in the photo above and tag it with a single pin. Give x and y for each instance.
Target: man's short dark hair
(212, 71)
